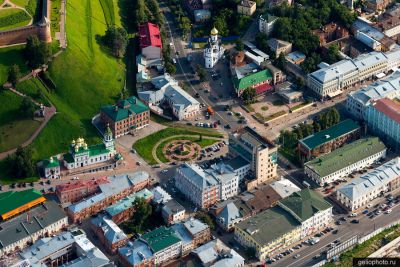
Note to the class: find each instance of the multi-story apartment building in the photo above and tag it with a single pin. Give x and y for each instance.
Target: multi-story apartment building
(246, 7)
(75, 191)
(279, 46)
(345, 160)
(109, 234)
(198, 186)
(358, 101)
(258, 151)
(172, 212)
(309, 208)
(383, 119)
(361, 191)
(127, 116)
(268, 232)
(329, 81)
(329, 139)
(119, 187)
(266, 23)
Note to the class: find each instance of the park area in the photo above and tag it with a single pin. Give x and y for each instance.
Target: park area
(18, 13)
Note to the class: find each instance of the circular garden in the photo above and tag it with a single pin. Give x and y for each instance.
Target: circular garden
(181, 150)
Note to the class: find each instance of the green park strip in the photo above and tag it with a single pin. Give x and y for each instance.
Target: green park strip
(35, 89)
(16, 132)
(11, 18)
(108, 10)
(8, 57)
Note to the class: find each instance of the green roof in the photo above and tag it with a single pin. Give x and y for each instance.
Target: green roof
(14, 199)
(94, 150)
(332, 133)
(269, 225)
(345, 156)
(252, 79)
(51, 164)
(68, 158)
(127, 202)
(160, 238)
(304, 204)
(118, 112)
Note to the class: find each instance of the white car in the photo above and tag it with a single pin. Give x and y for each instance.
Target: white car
(164, 171)
(353, 215)
(388, 211)
(369, 206)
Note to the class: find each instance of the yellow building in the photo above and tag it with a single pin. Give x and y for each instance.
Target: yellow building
(15, 202)
(246, 7)
(269, 232)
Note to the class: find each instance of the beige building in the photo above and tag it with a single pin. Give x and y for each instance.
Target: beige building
(258, 151)
(246, 7)
(279, 46)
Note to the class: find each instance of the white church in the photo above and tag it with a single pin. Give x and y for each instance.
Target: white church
(214, 50)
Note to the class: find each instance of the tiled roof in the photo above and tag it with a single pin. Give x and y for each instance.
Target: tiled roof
(329, 134)
(389, 107)
(160, 238)
(346, 156)
(118, 112)
(149, 35)
(304, 204)
(14, 199)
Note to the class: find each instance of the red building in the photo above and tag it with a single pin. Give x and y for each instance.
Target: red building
(150, 40)
(75, 191)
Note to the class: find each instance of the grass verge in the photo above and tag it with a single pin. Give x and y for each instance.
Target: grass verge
(15, 133)
(34, 89)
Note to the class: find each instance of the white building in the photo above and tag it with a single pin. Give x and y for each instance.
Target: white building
(361, 191)
(214, 50)
(266, 23)
(172, 212)
(239, 166)
(310, 209)
(160, 195)
(228, 180)
(345, 160)
(284, 187)
(358, 101)
(331, 80)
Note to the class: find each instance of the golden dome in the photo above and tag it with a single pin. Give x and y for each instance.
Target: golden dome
(214, 31)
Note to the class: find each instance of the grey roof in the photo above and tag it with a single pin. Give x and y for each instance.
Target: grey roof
(182, 233)
(172, 207)
(237, 163)
(160, 195)
(195, 226)
(92, 258)
(284, 187)
(333, 71)
(222, 172)
(378, 90)
(275, 44)
(40, 217)
(295, 55)
(216, 253)
(365, 184)
(198, 176)
(163, 80)
(365, 61)
(152, 96)
(229, 214)
(179, 97)
(112, 232)
(135, 252)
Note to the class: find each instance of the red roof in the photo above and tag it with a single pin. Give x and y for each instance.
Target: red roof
(262, 88)
(149, 35)
(81, 184)
(388, 107)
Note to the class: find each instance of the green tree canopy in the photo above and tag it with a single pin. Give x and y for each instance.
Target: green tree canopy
(13, 74)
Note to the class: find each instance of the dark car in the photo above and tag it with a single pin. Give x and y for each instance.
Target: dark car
(48, 182)
(227, 126)
(335, 231)
(355, 221)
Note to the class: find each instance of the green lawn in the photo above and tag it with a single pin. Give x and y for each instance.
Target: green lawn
(203, 143)
(9, 107)
(35, 89)
(8, 57)
(21, 3)
(16, 132)
(11, 18)
(109, 12)
(55, 17)
(145, 146)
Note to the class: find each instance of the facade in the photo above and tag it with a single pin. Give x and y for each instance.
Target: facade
(120, 186)
(213, 51)
(309, 208)
(330, 32)
(361, 191)
(136, 254)
(71, 248)
(345, 160)
(227, 179)
(127, 116)
(42, 220)
(51, 168)
(266, 23)
(239, 166)
(198, 186)
(258, 151)
(164, 244)
(13, 203)
(109, 234)
(279, 46)
(329, 139)
(246, 7)
(75, 191)
(150, 40)
(329, 81)
(216, 253)
(357, 102)
(172, 212)
(124, 208)
(268, 232)
(389, 25)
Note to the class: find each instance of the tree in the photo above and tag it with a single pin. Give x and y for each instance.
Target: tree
(116, 39)
(27, 108)
(141, 14)
(170, 67)
(317, 126)
(36, 52)
(205, 218)
(239, 45)
(185, 25)
(142, 211)
(21, 163)
(249, 95)
(333, 54)
(280, 61)
(202, 73)
(13, 75)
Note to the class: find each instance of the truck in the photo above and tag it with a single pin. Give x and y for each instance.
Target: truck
(210, 110)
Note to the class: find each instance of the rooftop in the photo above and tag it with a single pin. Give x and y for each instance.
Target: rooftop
(112, 233)
(149, 34)
(247, 3)
(160, 195)
(160, 238)
(304, 204)
(81, 184)
(346, 156)
(284, 187)
(376, 178)
(135, 252)
(388, 107)
(173, 207)
(124, 109)
(127, 202)
(195, 226)
(216, 254)
(269, 225)
(275, 44)
(237, 163)
(198, 175)
(332, 133)
(12, 200)
(252, 138)
(263, 198)
(251, 79)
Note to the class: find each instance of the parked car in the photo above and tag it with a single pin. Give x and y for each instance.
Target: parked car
(355, 221)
